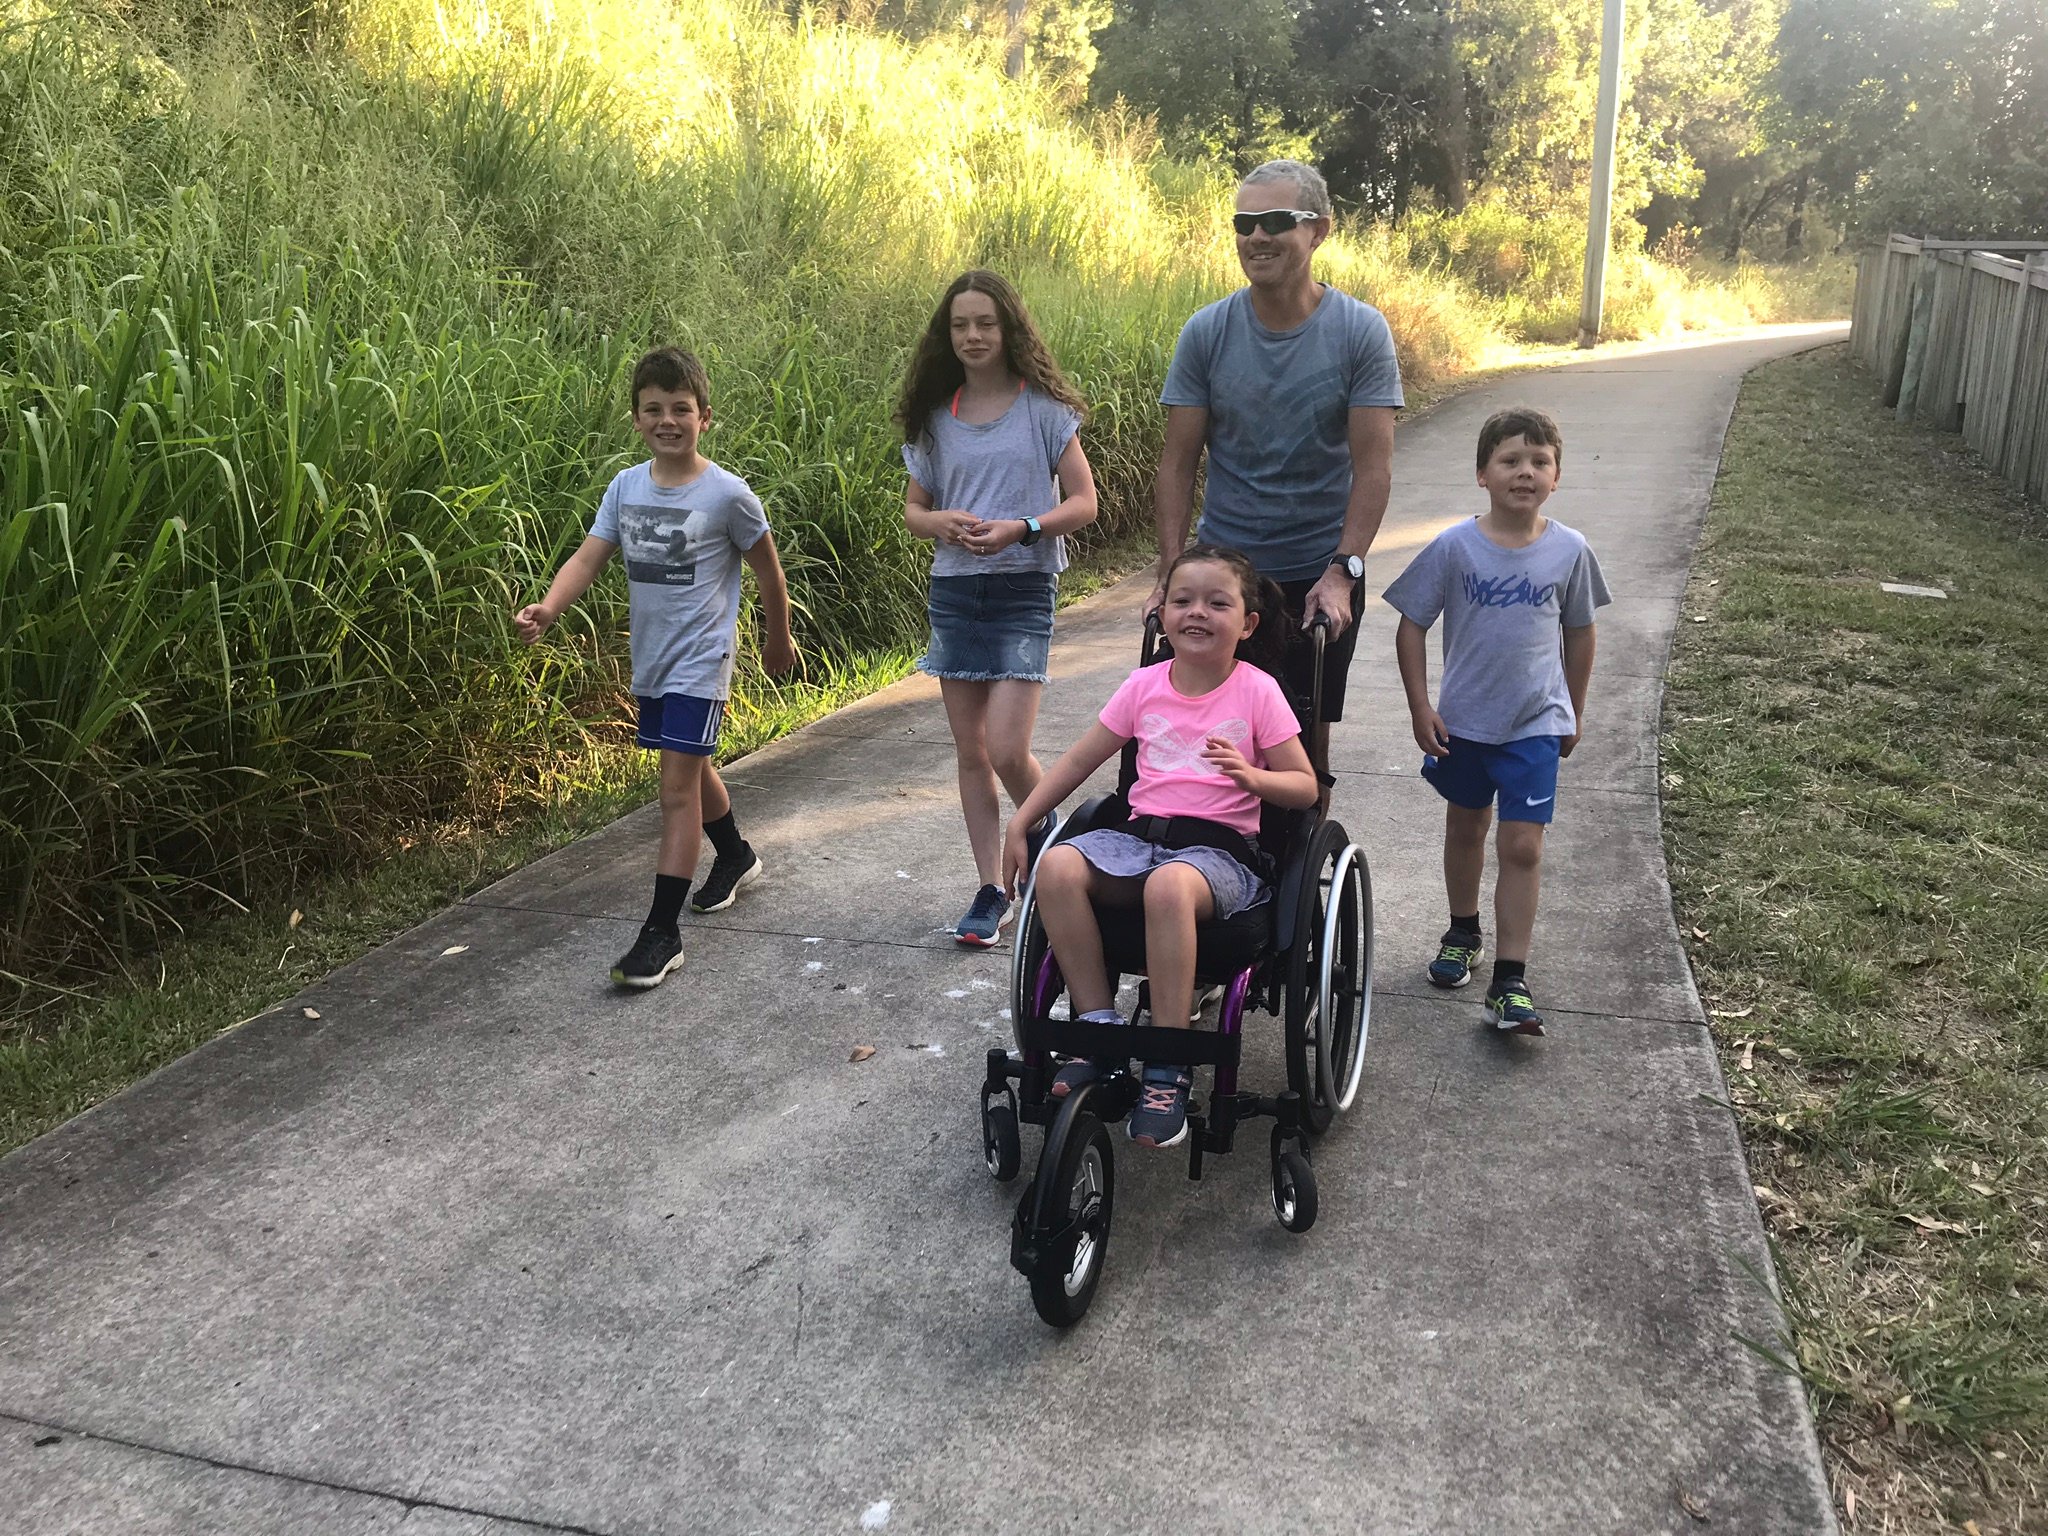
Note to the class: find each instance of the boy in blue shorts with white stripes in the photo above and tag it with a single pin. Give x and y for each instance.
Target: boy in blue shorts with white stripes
(686, 526)
(1517, 592)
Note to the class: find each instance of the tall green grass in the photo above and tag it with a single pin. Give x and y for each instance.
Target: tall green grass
(314, 324)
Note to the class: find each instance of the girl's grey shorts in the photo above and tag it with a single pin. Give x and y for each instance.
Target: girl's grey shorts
(1120, 853)
(988, 629)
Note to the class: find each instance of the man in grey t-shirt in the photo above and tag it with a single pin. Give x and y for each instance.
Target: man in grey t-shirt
(1290, 387)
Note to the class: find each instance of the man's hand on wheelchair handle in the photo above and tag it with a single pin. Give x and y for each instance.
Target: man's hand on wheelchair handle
(1332, 596)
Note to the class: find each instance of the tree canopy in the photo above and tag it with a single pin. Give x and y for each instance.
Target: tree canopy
(1746, 124)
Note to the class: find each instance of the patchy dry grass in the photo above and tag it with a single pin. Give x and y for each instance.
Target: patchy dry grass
(1857, 815)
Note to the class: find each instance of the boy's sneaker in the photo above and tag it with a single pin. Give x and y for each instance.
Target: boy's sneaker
(1513, 1010)
(984, 919)
(1452, 966)
(726, 877)
(654, 954)
(1161, 1116)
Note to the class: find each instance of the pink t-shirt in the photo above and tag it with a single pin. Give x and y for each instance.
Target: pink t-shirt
(1174, 779)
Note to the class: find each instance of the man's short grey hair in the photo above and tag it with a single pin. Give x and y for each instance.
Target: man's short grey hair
(1312, 192)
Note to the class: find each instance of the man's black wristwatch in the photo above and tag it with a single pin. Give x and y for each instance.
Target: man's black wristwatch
(1354, 565)
(1031, 531)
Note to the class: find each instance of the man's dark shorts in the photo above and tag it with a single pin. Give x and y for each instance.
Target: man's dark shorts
(1298, 665)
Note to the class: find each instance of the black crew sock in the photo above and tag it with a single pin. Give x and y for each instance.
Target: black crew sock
(670, 892)
(725, 836)
(1466, 924)
(1505, 971)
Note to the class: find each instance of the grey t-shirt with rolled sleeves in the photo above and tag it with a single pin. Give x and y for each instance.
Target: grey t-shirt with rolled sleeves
(996, 469)
(1279, 405)
(1504, 613)
(682, 548)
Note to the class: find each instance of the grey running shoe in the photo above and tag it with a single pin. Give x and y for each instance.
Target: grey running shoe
(726, 877)
(1161, 1117)
(984, 919)
(1452, 966)
(1513, 1010)
(654, 954)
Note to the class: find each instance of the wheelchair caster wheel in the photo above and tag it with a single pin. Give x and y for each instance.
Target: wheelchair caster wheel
(1294, 1191)
(1076, 1202)
(1001, 1147)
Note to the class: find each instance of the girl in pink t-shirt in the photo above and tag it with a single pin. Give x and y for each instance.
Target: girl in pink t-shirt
(1216, 737)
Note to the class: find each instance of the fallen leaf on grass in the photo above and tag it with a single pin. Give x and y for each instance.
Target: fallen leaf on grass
(310, 1013)
(1701, 935)
(1733, 1013)
(1748, 1062)
(861, 1053)
(1849, 1505)
(1970, 1528)
(295, 919)
(1983, 1189)
(1931, 1224)
(455, 949)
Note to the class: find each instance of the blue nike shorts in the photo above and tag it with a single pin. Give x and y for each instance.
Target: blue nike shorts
(1522, 774)
(681, 722)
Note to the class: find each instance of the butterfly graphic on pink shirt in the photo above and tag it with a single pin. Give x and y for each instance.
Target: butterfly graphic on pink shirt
(1167, 751)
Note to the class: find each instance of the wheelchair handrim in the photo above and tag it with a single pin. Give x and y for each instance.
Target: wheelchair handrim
(1347, 861)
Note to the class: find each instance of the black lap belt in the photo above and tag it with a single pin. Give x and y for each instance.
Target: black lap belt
(1178, 832)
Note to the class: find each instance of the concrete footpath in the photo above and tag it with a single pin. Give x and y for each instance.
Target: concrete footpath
(487, 1247)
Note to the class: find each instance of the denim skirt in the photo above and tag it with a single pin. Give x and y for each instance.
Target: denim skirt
(1122, 853)
(988, 629)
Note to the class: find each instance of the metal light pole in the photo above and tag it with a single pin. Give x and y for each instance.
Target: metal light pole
(1013, 57)
(1600, 212)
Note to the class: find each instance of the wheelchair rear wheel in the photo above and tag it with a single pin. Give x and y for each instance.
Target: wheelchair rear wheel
(1329, 979)
(1076, 1200)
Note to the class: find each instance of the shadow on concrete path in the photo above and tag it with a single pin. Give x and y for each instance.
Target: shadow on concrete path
(487, 1247)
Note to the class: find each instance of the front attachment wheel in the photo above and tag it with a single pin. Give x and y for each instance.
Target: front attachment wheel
(1002, 1147)
(1294, 1190)
(1076, 1200)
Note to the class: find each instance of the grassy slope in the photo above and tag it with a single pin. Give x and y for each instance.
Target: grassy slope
(1856, 803)
(321, 315)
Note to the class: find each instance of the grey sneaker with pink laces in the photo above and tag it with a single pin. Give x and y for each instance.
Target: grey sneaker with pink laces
(1161, 1116)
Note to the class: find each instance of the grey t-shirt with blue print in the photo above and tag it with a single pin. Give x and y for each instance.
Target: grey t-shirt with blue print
(1504, 613)
(996, 469)
(682, 549)
(1279, 405)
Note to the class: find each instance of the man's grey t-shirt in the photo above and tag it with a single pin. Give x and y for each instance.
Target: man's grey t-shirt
(1504, 611)
(1279, 405)
(682, 549)
(996, 469)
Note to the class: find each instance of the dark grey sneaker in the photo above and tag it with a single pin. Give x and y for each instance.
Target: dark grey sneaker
(984, 919)
(726, 877)
(654, 954)
(1452, 966)
(1513, 1010)
(1161, 1118)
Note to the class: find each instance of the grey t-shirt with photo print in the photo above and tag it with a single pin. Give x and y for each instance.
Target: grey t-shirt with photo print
(996, 469)
(682, 547)
(1504, 611)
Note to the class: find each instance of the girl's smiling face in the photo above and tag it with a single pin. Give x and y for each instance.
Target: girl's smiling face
(976, 329)
(1204, 614)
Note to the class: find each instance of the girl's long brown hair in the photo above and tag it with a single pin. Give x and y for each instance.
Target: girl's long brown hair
(935, 372)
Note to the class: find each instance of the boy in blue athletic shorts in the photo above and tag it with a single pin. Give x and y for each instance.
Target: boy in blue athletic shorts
(685, 525)
(1517, 592)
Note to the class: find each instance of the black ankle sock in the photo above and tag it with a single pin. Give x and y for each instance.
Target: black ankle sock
(670, 892)
(1505, 971)
(725, 836)
(1466, 924)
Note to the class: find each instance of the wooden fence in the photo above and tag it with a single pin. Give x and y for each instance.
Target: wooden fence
(1958, 332)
